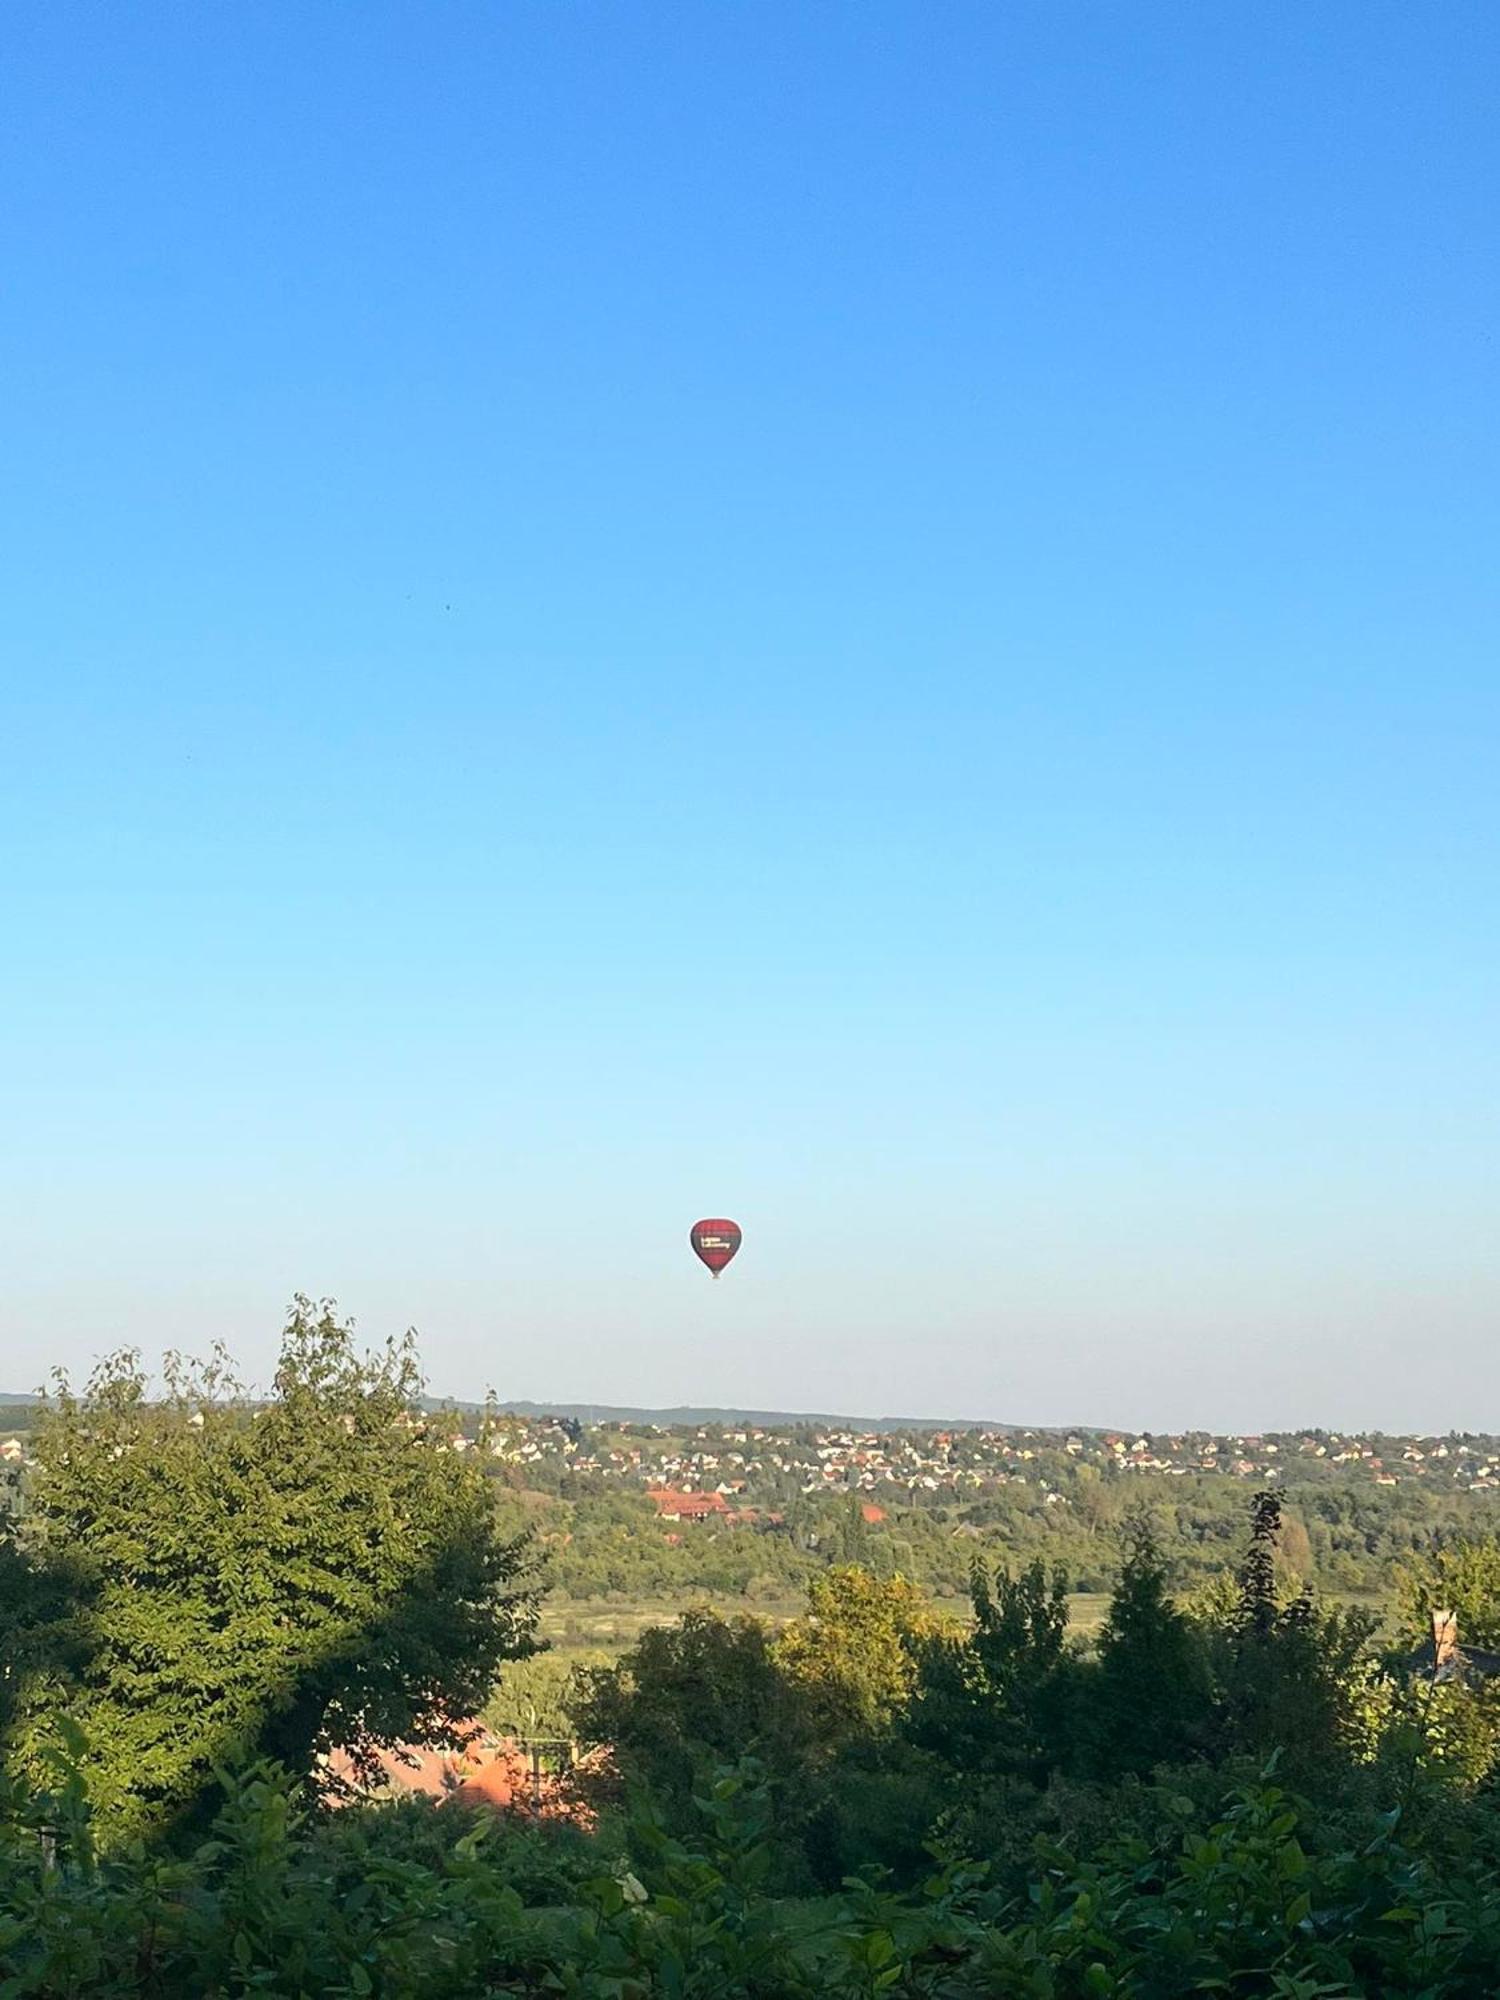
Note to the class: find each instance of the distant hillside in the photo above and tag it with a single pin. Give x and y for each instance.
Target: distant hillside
(14, 1411)
(690, 1414)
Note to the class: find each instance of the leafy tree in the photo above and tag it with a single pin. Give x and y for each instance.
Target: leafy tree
(707, 1689)
(1463, 1577)
(46, 1633)
(854, 1654)
(1296, 1548)
(1095, 1498)
(536, 1696)
(847, 1540)
(1295, 1675)
(1000, 1699)
(1259, 1600)
(321, 1569)
(815, 1707)
(1150, 1702)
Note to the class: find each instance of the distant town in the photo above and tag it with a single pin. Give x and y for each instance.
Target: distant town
(718, 1469)
(721, 1467)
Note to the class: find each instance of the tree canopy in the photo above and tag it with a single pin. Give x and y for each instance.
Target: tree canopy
(259, 1577)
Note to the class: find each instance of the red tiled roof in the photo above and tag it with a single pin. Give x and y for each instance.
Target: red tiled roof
(489, 1770)
(686, 1506)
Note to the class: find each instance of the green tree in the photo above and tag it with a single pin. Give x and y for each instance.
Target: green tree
(1296, 1549)
(318, 1570)
(1002, 1697)
(535, 1697)
(1095, 1499)
(1259, 1600)
(1296, 1676)
(46, 1633)
(847, 1541)
(1464, 1578)
(705, 1690)
(854, 1654)
(1150, 1702)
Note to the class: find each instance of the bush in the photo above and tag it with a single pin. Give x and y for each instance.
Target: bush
(429, 1905)
(545, 1861)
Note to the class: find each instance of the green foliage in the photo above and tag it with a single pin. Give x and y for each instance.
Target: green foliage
(278, 1579)
(819, 1706)
(1251, 1904)
(545, 1861)
(538, 1696)
(47, 1632)
(853, 1656)
(1248, 1899)
(999, 1699)
(708, 1689)
(1462, 1577)
(258, 1907)
(1240, 1798)
(1342, 1532)
(1152, 1702)
(1294, 1675)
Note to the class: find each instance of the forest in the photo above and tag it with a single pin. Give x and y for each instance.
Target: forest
(601, 1540)
(1246, 1777)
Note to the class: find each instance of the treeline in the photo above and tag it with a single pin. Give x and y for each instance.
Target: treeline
(1344, 1535)
(1248, 1802)
(1234, 1788)
(881, 1727)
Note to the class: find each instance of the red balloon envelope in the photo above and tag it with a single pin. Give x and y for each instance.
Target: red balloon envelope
(715, 1242)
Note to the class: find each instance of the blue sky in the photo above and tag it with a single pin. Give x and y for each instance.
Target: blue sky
(879, 619)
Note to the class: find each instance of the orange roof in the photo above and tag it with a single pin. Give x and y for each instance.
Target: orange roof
(491, 1770)
(667, 1501)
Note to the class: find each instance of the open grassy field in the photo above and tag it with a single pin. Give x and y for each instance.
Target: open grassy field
(596, 1626)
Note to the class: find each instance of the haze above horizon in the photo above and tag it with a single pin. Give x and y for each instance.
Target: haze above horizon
(878, 621)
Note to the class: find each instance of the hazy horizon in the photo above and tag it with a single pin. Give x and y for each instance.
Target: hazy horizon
(882, 622)
(1047, 1407)
(602, 1411)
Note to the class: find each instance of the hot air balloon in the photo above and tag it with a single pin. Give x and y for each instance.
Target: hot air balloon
(715, 1242)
